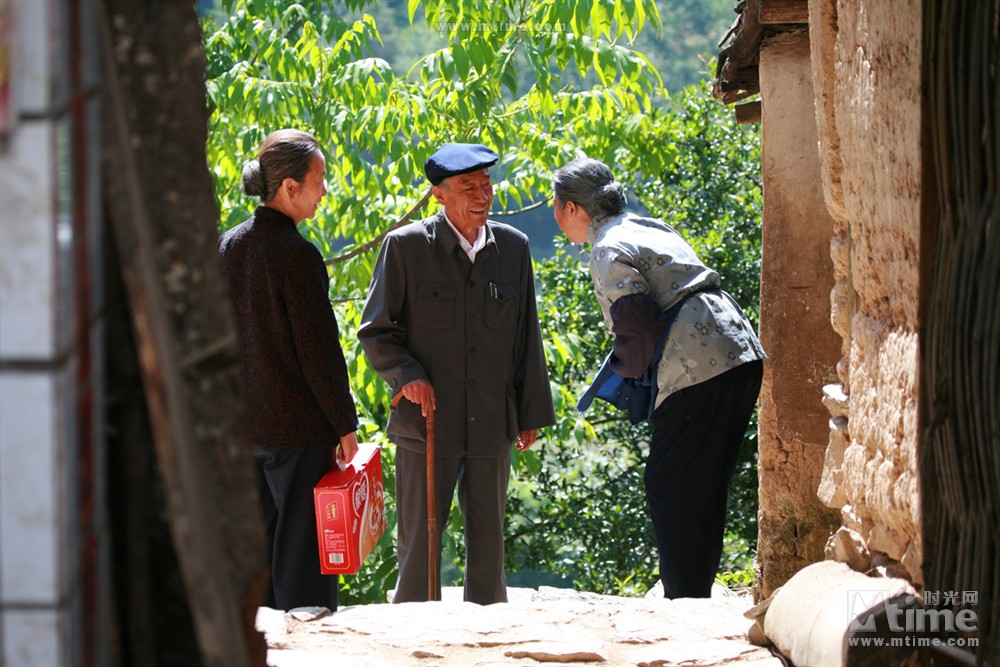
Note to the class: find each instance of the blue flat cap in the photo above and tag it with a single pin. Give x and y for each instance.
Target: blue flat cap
(455, 159)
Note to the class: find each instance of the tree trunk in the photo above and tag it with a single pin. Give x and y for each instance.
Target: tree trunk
(164, 218)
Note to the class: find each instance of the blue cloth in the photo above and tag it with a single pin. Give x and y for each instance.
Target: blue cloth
(455, 159)
(637, 396)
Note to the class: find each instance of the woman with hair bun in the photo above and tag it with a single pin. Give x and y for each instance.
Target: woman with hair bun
(684, 356)
(300, 415)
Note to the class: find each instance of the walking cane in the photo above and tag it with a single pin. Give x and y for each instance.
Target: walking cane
(431, 507)
(431, 513)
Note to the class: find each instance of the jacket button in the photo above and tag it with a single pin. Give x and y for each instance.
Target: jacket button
(472, 317)
(473, 349)
(472, 382)
(472, 419)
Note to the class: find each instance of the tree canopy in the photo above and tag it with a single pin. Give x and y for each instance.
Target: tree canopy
(301, 64)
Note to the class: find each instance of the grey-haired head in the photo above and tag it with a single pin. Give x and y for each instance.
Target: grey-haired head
(590, 184)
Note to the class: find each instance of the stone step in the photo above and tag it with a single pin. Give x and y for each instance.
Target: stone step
(548, 626)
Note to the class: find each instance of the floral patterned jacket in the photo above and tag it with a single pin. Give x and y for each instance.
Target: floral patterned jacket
(635, 255)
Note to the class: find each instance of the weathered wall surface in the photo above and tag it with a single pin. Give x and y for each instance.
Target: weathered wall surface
(803, 349)
(866, 59)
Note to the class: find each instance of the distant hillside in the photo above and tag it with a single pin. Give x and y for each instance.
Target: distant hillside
(691, 32)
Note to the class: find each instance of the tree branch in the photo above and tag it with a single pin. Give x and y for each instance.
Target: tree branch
(347, 299)
(378, 239)
(406, 218)
(529, 207)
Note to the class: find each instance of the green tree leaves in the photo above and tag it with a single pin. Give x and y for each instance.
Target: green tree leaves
(277, 64)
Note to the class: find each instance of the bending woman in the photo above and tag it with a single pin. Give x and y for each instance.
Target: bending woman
(671, 323)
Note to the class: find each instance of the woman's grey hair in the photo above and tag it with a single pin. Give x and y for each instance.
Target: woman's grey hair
(284, 154)
(590, 184)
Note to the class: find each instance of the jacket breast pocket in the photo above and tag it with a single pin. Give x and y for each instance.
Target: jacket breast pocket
(435, 305)
(501, 307)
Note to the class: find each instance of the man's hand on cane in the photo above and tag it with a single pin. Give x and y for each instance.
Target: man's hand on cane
(422, 393)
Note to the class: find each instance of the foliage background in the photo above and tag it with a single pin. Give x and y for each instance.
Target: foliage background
(542, 81)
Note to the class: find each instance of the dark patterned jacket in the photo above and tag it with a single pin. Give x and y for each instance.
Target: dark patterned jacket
(298, 394)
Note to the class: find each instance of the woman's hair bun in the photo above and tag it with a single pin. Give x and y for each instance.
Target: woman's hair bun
(253, 179)
(610, 190)
(610, 198)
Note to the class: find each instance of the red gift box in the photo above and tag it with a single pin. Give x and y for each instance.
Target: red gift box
(350, 512)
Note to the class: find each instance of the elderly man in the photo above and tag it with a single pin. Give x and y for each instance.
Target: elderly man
(451, 324)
